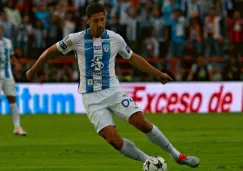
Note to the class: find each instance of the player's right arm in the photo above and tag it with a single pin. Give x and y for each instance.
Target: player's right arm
(62, 47)
(47, 54)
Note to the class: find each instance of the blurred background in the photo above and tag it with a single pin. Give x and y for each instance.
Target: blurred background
(192, 40)
(198, 42)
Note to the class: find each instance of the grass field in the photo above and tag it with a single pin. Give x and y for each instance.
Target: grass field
(69, 142)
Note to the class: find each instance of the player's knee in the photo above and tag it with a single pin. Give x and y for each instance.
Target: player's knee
(11, 99)
(146, 126)
(140, 123)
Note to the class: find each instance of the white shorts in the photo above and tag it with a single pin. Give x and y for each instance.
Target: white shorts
(8, 87)
(102, 104)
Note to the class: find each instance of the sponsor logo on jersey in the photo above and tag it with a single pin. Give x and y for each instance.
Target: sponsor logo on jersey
(97, 47)
(98, 81)
(97, 63)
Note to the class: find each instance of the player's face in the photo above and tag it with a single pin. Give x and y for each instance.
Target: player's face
(97, 24)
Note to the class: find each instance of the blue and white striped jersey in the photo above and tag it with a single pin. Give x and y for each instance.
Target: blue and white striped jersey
(6, 51)
(95, 58)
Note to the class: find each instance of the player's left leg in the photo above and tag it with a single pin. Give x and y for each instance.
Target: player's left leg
(124, 146)
(158, 138)
(153, 133)
(10, 93)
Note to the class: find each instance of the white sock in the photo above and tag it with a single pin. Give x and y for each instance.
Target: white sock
(15, 115)
(130, 150)
(158, 138)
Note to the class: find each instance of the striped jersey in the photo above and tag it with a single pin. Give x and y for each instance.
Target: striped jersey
(6, 51)
(95, 58)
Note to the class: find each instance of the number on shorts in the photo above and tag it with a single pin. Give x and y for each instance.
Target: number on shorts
(126, 102)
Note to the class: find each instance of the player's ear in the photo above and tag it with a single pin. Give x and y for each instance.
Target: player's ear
(87, 20)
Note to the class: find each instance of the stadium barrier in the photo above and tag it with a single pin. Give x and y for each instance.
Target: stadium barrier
(189, 97)
(173, 61)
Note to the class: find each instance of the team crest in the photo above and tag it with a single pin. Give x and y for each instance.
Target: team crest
(106, 48)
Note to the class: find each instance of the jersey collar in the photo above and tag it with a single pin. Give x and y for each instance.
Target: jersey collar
(89, 36)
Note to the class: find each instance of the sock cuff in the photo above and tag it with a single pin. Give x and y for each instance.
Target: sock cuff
(126, 144)
(153, 132)
(123, 146)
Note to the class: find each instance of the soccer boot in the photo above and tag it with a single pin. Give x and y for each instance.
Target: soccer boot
(191, 161)
(19, 131)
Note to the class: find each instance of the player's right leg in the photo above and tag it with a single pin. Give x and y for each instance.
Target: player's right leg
(130, 112)
(158, 138)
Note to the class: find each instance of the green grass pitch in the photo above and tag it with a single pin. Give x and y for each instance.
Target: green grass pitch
(69, 143)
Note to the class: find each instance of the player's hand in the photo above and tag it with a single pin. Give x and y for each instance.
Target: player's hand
(163, 77)
(30, 75)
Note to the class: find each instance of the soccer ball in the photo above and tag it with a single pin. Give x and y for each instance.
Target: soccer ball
(155, 163)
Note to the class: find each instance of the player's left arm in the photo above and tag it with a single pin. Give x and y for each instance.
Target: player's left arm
(141, 64)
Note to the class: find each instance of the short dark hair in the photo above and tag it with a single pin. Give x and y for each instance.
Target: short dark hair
(94, 8)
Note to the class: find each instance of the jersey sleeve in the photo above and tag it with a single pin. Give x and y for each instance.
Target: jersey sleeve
(66, 45)
(124, 49)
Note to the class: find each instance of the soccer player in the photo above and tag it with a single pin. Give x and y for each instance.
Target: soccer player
(96, 49)
(7, 83)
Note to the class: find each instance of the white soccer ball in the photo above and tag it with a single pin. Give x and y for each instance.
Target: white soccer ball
(155, 163)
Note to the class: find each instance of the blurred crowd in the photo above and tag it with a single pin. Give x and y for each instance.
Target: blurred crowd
(189, 30)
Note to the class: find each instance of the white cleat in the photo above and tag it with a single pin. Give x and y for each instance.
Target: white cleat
(19, 131)
(191, 161)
